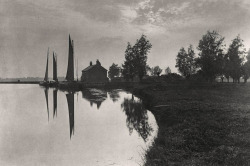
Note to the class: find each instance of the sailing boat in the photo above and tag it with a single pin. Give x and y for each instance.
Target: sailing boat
(70, 70)
(70, 100)
(55, 67)
(46, 78)
(70, 82)
(55, 79)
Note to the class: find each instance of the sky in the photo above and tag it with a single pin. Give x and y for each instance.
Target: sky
(101, 30)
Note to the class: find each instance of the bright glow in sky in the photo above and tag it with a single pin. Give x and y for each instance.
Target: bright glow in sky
(101, 29)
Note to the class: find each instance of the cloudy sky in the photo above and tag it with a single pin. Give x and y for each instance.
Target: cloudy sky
(101, 29)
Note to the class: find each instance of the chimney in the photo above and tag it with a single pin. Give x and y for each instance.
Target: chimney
(90, 64)
(98, 62)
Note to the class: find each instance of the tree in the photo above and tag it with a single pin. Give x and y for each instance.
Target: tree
(185, 62)
(210, 46)
(136, 59)
(114, 71)
(227, 67)
(236, 53)
(221, 64)
(156, 71)
(128, 68)
(141, 49)
(167, 71)
(148, 70)
(246, 68)
(191, 60)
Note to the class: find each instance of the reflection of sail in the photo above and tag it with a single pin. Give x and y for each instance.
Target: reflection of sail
(70, 70)
(47, 102)
(70, 100)
(55, 102)
(46, 71)
(137, 117)
(96, 96)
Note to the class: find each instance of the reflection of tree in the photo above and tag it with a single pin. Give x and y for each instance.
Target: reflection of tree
(137, 117)
(114, 95)
(96, 96)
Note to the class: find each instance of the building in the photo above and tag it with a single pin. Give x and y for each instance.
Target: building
(94, 73)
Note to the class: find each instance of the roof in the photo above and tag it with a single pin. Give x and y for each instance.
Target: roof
(91, 67)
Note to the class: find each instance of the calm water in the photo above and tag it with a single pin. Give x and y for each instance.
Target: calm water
(93, 127)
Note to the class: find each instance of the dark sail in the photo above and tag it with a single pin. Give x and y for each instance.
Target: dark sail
(47, 102)
(55, 102)
(70, 71)
(46, 71)
(54, 67)
(70, 100)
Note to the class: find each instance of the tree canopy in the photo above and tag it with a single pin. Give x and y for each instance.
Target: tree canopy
(114, 71)
(210, 46)
(136, 59)
(236, 53)
(185, 61)
(156, 71)
(167, 71)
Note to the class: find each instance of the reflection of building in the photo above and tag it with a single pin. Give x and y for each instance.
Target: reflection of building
(94, 73)
(95, 96)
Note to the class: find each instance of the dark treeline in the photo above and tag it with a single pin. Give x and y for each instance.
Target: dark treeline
(214, 60)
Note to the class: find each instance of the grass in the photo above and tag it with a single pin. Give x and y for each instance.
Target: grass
(202, 124)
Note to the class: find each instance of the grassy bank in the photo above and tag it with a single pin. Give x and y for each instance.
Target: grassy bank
(199, 124)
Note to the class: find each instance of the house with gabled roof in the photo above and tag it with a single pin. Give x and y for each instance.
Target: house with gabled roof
(94, 73)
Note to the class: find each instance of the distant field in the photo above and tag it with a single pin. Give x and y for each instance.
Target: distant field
(21, 82)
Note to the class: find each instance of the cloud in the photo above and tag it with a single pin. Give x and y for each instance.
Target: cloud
(102, 28)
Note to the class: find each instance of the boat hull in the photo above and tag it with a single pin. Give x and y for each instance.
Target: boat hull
(49, 84)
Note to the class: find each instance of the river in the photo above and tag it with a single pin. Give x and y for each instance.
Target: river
(92, 127)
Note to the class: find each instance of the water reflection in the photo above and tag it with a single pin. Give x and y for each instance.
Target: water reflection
(136, 114)
(114, 95)
(137, 118)
(101, 138)
(95, 96)
(70, 100)
(47, 102)
(55, 102)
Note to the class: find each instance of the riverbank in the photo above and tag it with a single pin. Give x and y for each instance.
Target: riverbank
(199, 124)
(20, 82)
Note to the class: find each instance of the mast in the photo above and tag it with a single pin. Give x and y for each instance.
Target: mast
(55, 67)
(77, 69)
(46, 71)
(70, 70)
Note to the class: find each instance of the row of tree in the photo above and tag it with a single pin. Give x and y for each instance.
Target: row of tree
(156, 71)
(116, 71)
(214, 60)
(135, 63)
